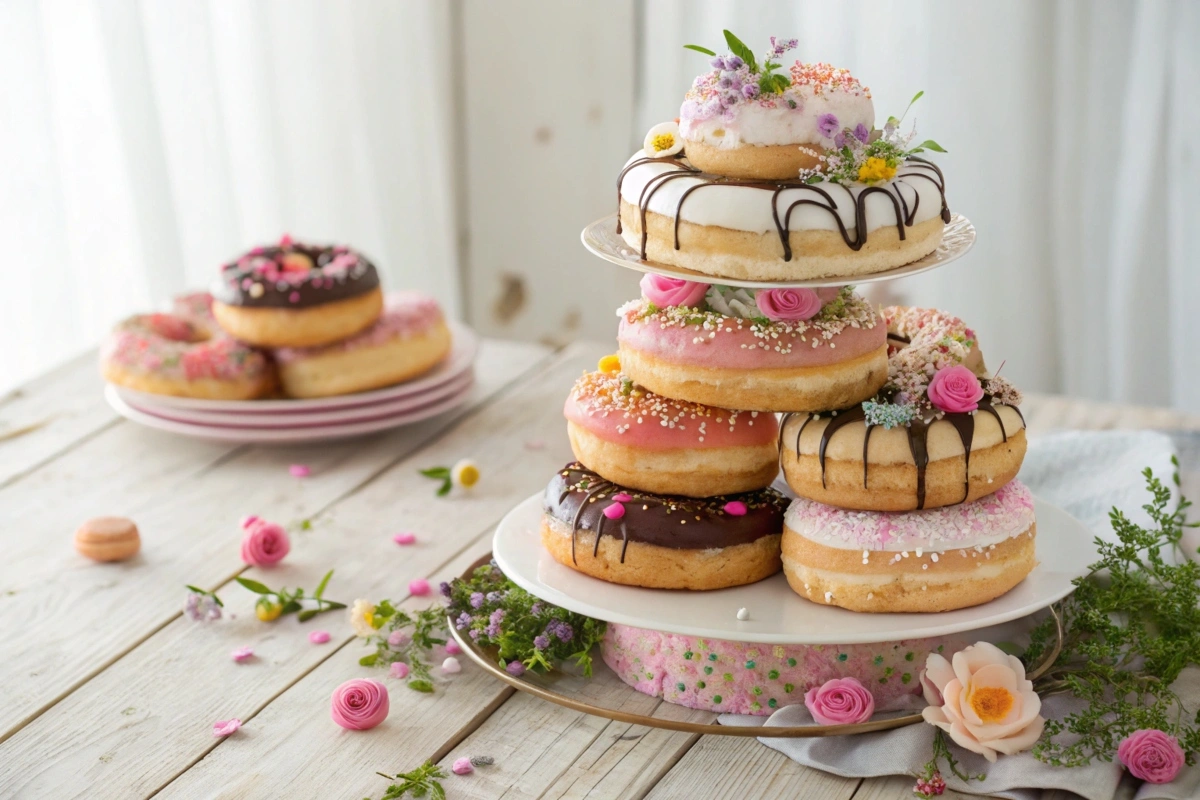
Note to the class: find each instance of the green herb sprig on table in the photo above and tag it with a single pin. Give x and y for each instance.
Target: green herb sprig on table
(528, 632)
(1130, 628)
(274, 603)
(421, 632)
(421, 782)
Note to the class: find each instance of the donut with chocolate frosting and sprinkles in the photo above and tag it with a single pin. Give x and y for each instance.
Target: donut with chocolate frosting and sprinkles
(297, 295)
(636, 538)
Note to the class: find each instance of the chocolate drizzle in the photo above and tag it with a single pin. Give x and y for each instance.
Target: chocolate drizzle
(822, 197)
(576, 496)
(918, 439)
(338, 273)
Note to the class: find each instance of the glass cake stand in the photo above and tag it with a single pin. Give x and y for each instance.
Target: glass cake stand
(601, 238)
(605, 695)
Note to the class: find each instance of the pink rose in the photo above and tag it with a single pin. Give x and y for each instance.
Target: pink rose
(955, 389)
(840, 701)
(1151, 755)
(788, 304)
(664, 291)
(264, 543)
(360, 704)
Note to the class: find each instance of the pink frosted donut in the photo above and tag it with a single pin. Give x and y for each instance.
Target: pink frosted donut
(724, 352)
(409, 338)
(936, 559)
(745, 678)
(173, 355)
(638, 439)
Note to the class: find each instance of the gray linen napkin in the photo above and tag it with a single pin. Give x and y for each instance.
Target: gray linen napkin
(1086, 473)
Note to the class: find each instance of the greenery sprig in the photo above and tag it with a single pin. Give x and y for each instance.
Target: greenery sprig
(1130, 628)
(274, 603)
(421, 631)
(527, 632)
(424, 781)
(769, 81)
(929, 779)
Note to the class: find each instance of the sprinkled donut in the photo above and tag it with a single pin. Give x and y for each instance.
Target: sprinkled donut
(409, 338)
(642, 440)
(761, 350)
(176, 355)
(636, 538)
(297, 295)
(940, 431)
(935, 560)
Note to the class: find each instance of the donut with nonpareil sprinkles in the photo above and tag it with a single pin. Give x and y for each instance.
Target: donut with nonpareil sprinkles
(714, 344)
(935, 560)
(180, 356)
(642, 440)
(626, 536)
(409, 338)
(297, 295)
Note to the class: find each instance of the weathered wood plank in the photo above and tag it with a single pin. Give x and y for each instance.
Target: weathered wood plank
(190, 532)
(353, 536)
(47, 416)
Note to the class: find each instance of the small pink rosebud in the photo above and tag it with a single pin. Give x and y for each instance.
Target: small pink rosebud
(397, 639)
(462, 766)
(264, 543)
(399, 670)
(359, 704)
(419, 587)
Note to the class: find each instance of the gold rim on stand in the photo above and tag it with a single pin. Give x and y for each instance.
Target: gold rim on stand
(487, 661)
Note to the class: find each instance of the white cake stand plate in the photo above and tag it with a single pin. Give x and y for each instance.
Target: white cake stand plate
(602, 239)
(777, 614)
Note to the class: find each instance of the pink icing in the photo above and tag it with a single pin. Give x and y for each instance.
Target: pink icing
(730, 342)
(759, 678)
(788, 304)
(600, 404)
(179, 348)
(405, 314)
(1009, 510)
(955, 390)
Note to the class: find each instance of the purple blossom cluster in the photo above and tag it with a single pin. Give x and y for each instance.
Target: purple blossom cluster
(201, 608)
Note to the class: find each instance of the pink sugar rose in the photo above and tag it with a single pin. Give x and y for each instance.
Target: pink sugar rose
(955, 390)
(788, 304)
(664, 291)
(1151, 755)
(264, 543)
(840, 701)
(462, 766)
(360, 704)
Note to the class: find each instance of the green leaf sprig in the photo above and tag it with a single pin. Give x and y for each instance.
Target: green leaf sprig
(423, 630)
(1130, 628)
(769, 81)
(274, 603)
(440, 474)
(424, 781)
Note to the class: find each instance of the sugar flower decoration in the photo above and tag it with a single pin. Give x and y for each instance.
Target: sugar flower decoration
(982, 699)
(665, 292)
(955, 390)
(264, 543)
(362, 618)
(840, 701)
(462, 766)
(359, 704)
(788, 304)
(1151, 755)
(464, 474)
(663, 140)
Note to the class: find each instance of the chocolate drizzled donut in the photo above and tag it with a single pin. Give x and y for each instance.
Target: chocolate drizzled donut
(295, 275)
(577, 497)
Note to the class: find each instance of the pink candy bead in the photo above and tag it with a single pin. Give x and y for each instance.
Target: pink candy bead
(419, 587)
(622, 498)
(319, 637)
(300, 470)
(404, 538)
(399, 670)
(452, 648)
(735, 508)
(462, 766)
(614, 511)
(242, 654)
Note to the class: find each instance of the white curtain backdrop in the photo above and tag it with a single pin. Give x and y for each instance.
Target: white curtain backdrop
(1066, 124)
(142, 143)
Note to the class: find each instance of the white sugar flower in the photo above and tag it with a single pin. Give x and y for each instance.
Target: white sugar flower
(663, 140)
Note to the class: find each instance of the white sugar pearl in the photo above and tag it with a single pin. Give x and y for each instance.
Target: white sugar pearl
(451, 665)
(743, 614)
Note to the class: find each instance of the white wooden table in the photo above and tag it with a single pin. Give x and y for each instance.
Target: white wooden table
(107, 691)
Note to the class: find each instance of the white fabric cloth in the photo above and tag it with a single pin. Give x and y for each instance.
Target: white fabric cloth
(1066, 124)
(142, 144)
(1086, 473)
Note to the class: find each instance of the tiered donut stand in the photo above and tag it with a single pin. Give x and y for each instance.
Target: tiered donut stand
(773, 618)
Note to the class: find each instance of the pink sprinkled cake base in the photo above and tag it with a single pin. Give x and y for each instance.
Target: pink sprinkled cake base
(747, 678)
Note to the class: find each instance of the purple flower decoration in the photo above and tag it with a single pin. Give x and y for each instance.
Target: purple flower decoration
(725, 81)
(515, 668)
(861, 133)
(839, 141)
(473, 634)
(541, 642)
(717, 63)
(827, 125)
(477, 600)
(733, 62)
(463, 621)
(750, 90)
(535, 609)
(445, 588)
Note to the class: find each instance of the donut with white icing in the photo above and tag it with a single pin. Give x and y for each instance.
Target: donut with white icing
(409, 338)
(899, 451)
(935, 560)
(178, 355)
(723, 351)
(623, 535)
(638, 439)
(297, 295)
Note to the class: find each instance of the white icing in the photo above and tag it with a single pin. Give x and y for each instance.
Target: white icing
(749, 209)
(757, 124)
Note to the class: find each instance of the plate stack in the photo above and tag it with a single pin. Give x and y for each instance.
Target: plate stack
(281, 421)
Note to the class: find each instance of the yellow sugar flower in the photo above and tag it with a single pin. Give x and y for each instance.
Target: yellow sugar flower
(610, 364)
(362, 618)
(268, 608)
(876, 169)
(465, 473)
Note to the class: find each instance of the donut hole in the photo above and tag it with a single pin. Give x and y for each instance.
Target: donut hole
(176, 329)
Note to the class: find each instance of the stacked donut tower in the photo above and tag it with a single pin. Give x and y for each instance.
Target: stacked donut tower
(752, 211)
(309, 320)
